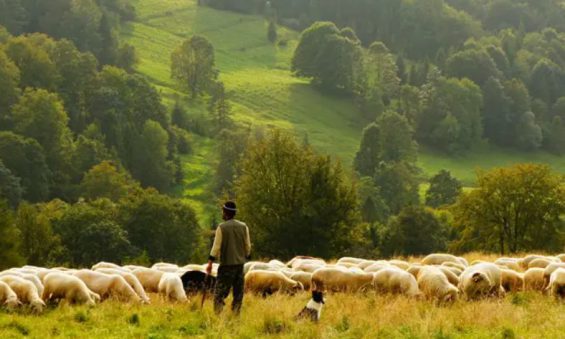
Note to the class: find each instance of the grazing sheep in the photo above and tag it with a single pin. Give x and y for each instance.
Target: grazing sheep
(556, 287)
(533, 279)
(132, 267)
(269, 282)
(451, 277)
(456, 265)
(339, 280)
(263, 266)
(130, 279)
(481, 280)
(510, 263)
(305, 278)
(350, 260)
(400, 264)
(525, 262)
(171, 287)
(107, 285)
(539, 263)
(434, 285)
(307, 267)
(440, 258)
(31, 277)
(366, 263)
(298, 264)
(25, 290)
(561, 257)
(549, 270)
(8, 297)
(511, 280)
(396, 281)
(165, 267)
(377, 267)
(277, 263)
(452, 269)
(104, 264)
(149, 278)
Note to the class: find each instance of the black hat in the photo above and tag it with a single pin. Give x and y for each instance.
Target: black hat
(230, 206)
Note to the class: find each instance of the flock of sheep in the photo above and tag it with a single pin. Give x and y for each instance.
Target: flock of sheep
(439, 277)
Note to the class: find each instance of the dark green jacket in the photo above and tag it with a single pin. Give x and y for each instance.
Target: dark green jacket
(232, 243)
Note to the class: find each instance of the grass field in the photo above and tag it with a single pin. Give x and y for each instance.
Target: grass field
(263, 92)
(523, 315)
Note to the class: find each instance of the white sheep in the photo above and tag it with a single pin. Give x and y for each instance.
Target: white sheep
(533, 279)
(25, 290)
(60, 285)
(434, 285)
(170, 286)
(269, 282)
(104, 264)
(131, 280)
(440, 258)
(556, 286)
(548, 270)
(396, 281)
(25, 274)
(165, 267)
(511, 280)
(305, 278)
(481, 280)
(7, 296)
(340, 280)
(108, 285)
(149, 278)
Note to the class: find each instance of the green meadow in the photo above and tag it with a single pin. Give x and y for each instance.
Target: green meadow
(264, 93)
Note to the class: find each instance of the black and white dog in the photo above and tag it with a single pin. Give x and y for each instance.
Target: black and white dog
(313, 309)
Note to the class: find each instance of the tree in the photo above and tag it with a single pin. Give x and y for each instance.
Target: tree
(164, 227)
(40, 245)
(389, 139)
(554, 136)
(497, 124)
(151, 164)
(416, 230)
(513, 209)
(9, 239)
(444, 189)
(193, 65)
(9, 80)
(13, 16)
(451, 117)
(40, 115)
(25, 159)
(473, 64)
(528, 132)
(106, 180)
(219, 107)
(36, 67)
(90, 233)
(231, 148)
(272, 32)
(10, 189)
(296, 201)
(398, 184)
(327, 56)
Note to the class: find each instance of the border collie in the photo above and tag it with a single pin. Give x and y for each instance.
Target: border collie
(313, 310)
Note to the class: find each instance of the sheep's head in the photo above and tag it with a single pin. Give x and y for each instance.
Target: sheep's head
(12, 302)
(38, 305)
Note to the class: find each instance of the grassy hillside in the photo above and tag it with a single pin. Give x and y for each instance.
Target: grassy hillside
(263, 91)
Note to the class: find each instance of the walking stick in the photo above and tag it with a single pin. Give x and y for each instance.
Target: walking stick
(206, 283)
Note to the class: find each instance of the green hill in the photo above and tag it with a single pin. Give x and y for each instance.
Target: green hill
(264, 93)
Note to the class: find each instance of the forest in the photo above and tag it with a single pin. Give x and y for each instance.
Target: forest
(93, 151)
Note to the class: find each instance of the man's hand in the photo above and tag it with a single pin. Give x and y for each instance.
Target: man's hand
(209, 267)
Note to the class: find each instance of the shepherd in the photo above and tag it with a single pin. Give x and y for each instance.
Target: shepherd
(232, 245)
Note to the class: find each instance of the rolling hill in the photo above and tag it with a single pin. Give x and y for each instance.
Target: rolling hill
(263, 92)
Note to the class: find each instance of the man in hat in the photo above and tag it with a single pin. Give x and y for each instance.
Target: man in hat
(232, 245)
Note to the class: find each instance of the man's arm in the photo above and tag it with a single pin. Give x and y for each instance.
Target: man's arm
(215, 252)
(247, 243)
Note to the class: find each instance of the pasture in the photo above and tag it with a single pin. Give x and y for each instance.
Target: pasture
(522, 315)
